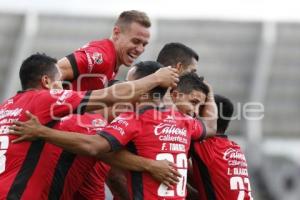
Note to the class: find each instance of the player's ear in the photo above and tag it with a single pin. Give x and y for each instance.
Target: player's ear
(45, 82)
(179, 67)
(116, 33)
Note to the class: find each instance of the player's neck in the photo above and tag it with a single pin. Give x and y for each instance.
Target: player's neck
(34, 88)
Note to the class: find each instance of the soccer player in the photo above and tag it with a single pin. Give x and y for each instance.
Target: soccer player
(72, 170)
(178, 56)
(152, 131)
(38, 74)
(219, 166)
(93, 186)
(91, 66)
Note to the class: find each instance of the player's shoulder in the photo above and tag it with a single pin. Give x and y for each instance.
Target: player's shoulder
(40, 94)
(101, 52)
(58, 95)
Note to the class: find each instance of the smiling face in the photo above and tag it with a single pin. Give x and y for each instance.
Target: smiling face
(189, 103)
(130, 42)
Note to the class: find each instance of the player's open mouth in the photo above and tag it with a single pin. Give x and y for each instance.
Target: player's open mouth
(132, 57)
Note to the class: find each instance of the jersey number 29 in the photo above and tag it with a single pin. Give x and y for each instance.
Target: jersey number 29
(182, 165)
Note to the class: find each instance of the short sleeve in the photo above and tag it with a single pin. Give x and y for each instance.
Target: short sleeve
(199, 131)
(121, 130)
(90, 59)
(93, 185)
(60, 103)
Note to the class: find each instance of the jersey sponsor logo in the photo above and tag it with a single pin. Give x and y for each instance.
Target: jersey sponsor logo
(233, 154)
(10, 113)
(65, 95)
(171, 129)
(235, 157)
(98, 123)
(8, 121)
(93, 59)
(170, 133)
(98, 58)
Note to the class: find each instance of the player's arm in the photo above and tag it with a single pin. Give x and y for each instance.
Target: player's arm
(128, 91)
(91, 145)
(65, 69)
(117, 183)
(161, 170)
(209, 113)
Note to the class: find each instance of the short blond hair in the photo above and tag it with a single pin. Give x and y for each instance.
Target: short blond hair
(130, 16)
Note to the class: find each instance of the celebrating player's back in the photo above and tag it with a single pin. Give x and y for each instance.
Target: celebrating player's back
(159, 134)
(71, 169)
(219, 166)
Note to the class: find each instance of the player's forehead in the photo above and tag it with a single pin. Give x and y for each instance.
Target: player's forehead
(138, 31)
(197, 95)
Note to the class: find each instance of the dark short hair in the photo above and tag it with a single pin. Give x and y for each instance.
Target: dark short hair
(146, 68)
(225, 111)
(130, 16)
(191, 81)
(173, 53)
(34, 67)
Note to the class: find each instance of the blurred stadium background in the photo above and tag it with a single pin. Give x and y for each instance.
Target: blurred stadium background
(249, 51)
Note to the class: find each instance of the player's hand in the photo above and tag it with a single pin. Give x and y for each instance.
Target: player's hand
(164, 172)
(28, 131)
(210, 95)
(167, 76)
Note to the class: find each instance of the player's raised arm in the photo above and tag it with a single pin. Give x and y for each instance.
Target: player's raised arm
(94, 145)
(209, 113)
(128, 91)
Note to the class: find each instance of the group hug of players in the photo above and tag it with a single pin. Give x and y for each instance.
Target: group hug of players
(158, 135)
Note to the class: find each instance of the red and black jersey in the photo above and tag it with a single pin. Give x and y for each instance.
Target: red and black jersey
(220, 169)
(157, 134)
(71, 170)
(93, 65)
(93, 187)
(18, 162)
